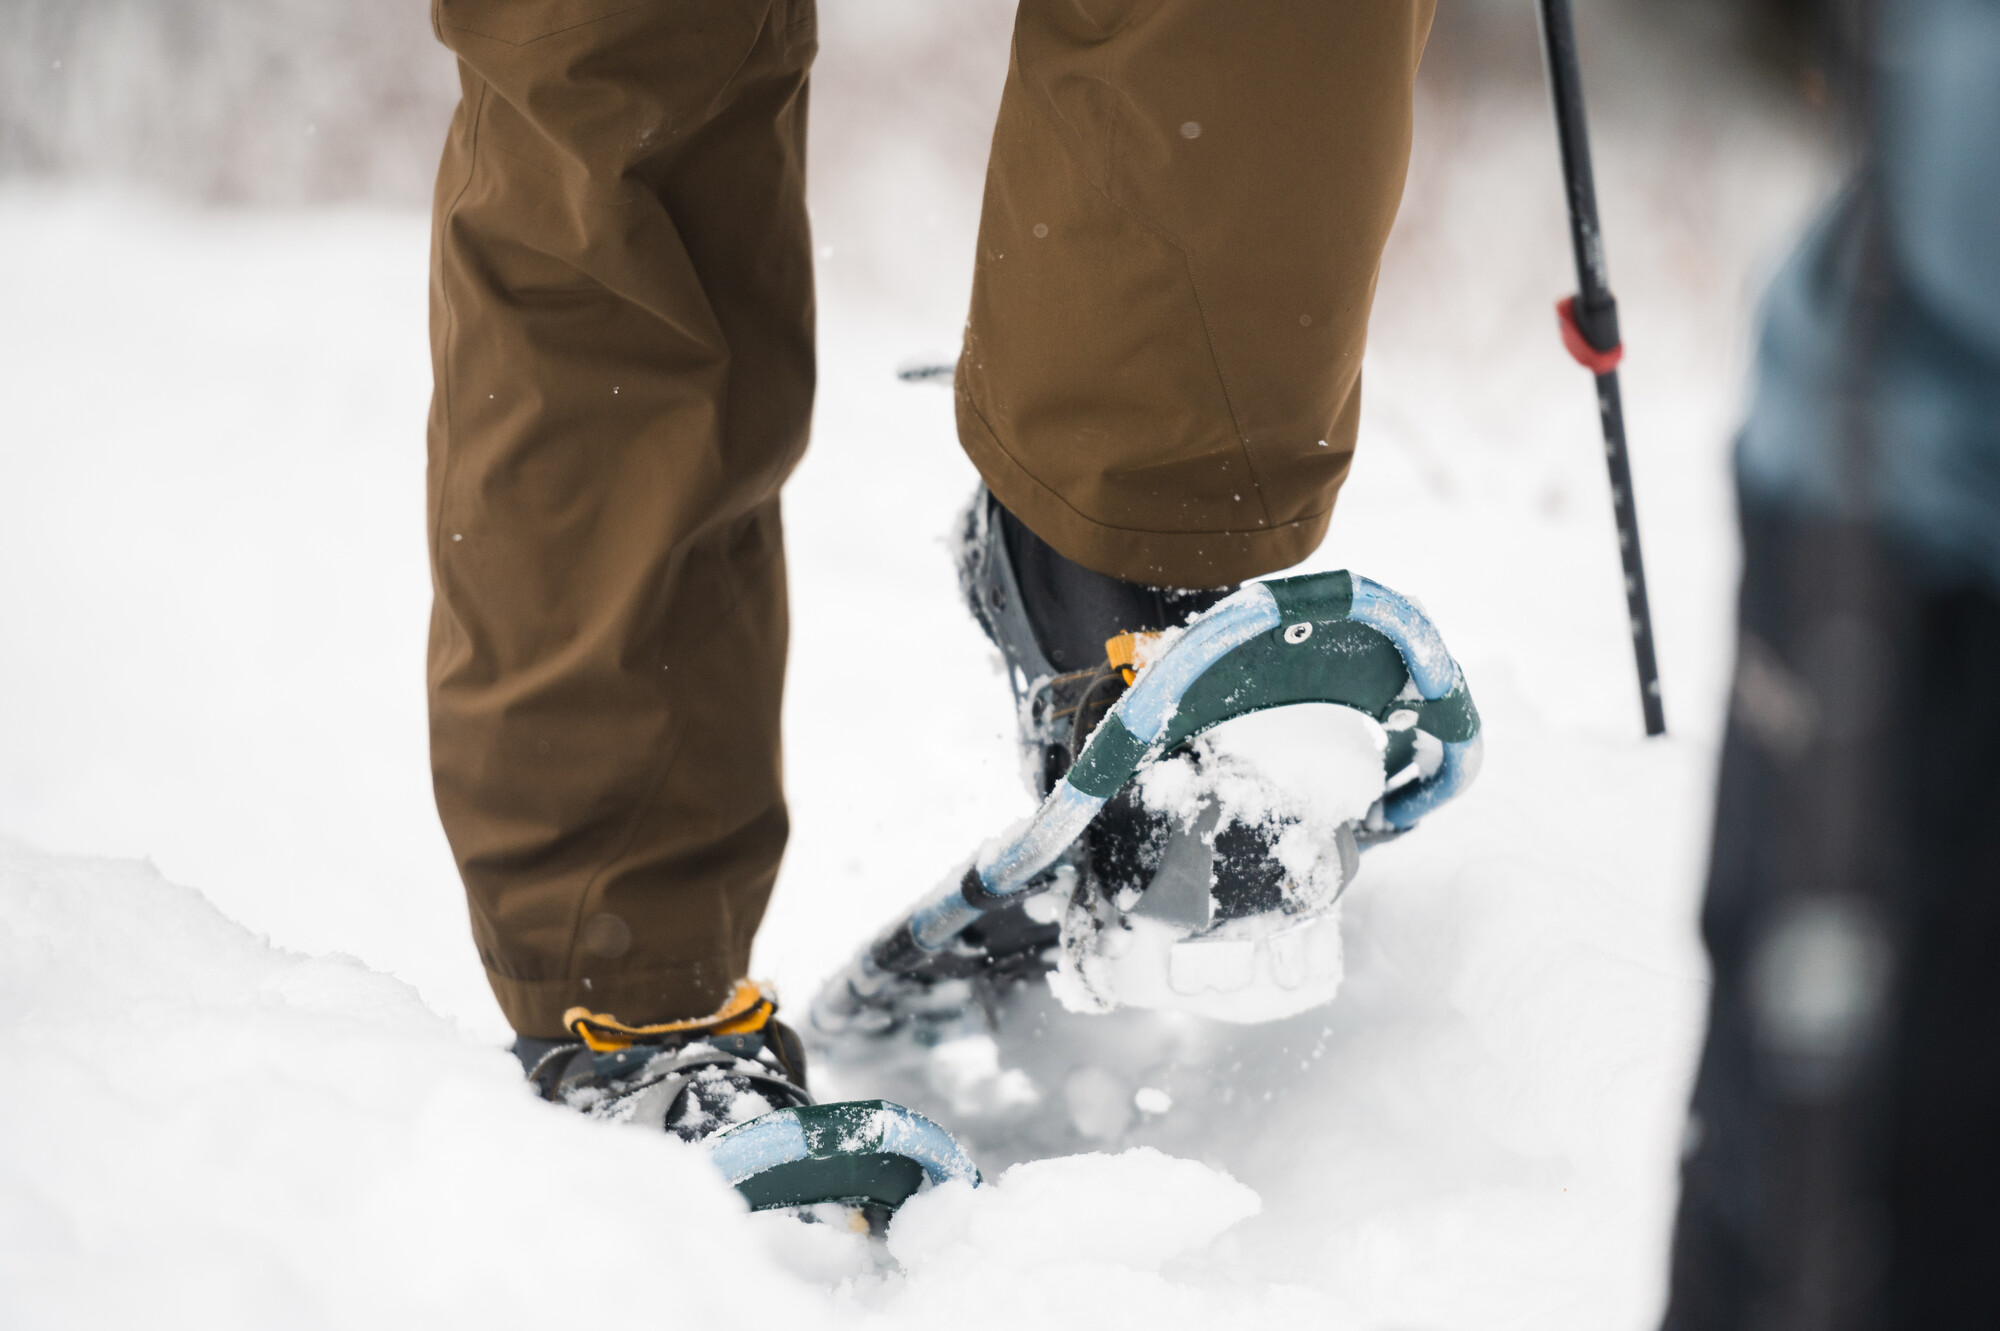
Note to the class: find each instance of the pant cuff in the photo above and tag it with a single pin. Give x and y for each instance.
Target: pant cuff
(1155, 559)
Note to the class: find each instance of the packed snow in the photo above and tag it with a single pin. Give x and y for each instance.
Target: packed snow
(259, 1082)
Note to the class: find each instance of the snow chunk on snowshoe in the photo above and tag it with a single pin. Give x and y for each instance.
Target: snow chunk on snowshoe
(864, 1153)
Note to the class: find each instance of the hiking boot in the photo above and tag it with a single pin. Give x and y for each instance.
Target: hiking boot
(691, 1078)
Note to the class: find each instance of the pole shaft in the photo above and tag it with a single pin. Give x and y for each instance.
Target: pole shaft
(1597, 319)
(1638, 605)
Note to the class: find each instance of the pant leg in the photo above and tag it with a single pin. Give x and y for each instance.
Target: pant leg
(1843, 1172)
(1185, 210)
(621, 326)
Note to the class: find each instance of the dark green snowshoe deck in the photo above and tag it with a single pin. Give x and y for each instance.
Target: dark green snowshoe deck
(856, 1152)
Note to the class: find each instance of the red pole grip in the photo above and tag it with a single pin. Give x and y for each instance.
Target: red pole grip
(1589, 357)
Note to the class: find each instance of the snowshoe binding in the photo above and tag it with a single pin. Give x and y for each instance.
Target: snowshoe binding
(735, 1082)
(1209, 771)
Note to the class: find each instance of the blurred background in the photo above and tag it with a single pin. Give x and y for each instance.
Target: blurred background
(292, 102)
(298, 102)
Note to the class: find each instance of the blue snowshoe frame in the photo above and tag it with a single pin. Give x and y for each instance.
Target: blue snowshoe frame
(1326, 637)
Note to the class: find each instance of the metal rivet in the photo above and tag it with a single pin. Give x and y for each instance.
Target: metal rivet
(1298, 633)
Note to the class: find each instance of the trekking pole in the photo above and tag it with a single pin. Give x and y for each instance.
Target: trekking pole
(1590, 332)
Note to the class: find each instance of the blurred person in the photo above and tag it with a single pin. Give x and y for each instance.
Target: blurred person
(1185, 208)
(1841, 1164)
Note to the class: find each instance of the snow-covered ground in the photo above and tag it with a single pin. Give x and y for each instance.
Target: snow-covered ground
(275, 1096)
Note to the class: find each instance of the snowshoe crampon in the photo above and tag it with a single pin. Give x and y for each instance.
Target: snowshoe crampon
(868, 1154)
(1161, 891)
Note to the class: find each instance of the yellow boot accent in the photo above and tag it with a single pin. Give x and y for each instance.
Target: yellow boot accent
(1130, 651)
(747, 1010)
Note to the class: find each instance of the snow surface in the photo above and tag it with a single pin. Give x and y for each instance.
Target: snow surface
(279, 1100)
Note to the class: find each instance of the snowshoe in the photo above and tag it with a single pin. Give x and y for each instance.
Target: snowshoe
(735, 1081)
(1165, 867)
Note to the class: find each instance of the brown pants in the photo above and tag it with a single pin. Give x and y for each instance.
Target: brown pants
(1185, 208)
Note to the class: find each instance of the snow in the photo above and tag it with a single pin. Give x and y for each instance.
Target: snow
(1136, 1210)
(1317, 761)
(206, 1130)
(279, 1099)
